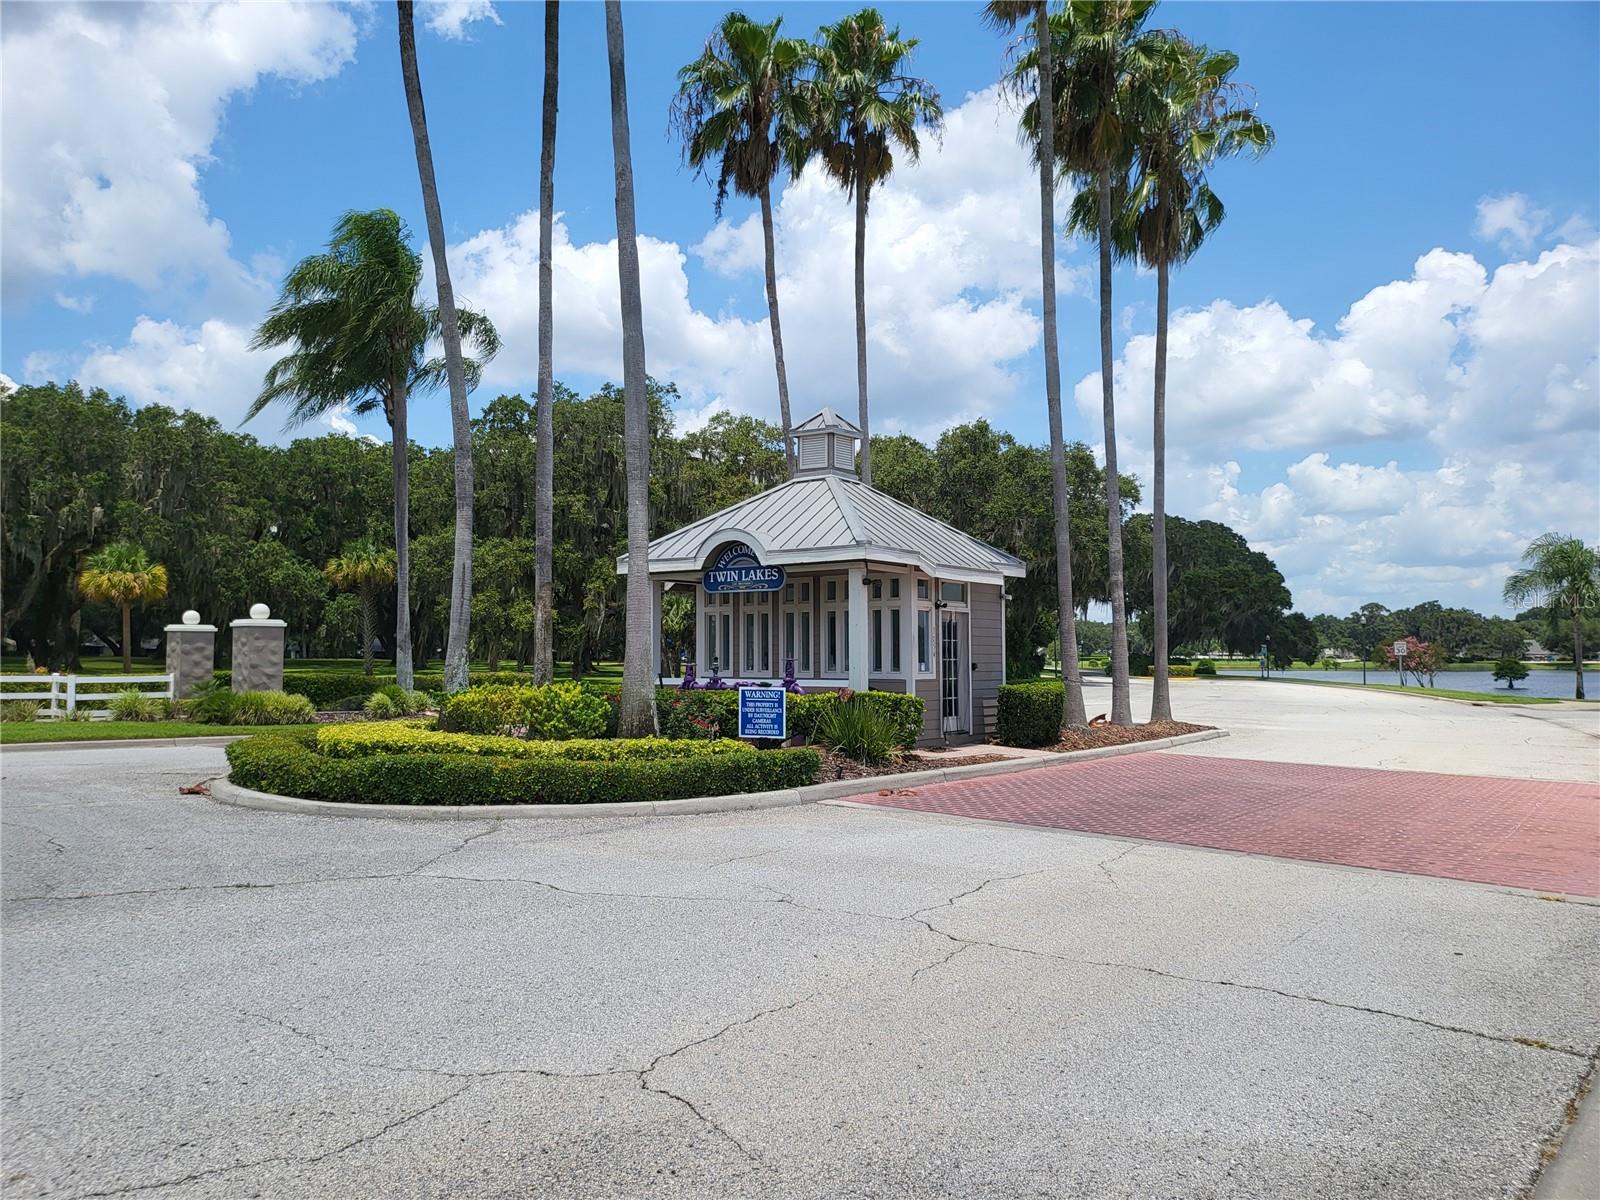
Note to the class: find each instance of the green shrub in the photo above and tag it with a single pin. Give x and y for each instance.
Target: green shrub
(1180, 671)
(859, 730)
(903, 712)
(356, 741)
(381, 705)
(1205, 667)
(1029, 714)
(1140, 663)
(698, 713)
(138, 706)
(392, 700)
(693, 713)
(334, 689)
(211, 704)
(559, 711)
(276, 764)
(495, 708)
(272, 708)
(20, 711)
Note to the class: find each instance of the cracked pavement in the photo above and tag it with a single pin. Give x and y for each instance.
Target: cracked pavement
(210, 1002)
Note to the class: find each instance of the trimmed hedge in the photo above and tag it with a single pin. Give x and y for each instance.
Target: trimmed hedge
(555, 711)
(357, 741)
(1029, 714)
(1180, 671)
(697, 713)
(676, 712)
(289, 767)
(1205, 667)
(325, 687)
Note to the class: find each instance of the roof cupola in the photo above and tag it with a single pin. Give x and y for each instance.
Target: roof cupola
(826, 445)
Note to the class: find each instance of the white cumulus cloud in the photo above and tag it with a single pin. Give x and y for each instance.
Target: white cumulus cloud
(1511, 220)
(1489, 381)
(450, 18)
(110, 115)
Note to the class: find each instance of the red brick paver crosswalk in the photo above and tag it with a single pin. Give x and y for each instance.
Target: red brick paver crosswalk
(1522, 833)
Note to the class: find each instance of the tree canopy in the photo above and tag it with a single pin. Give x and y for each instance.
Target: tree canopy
(237, 521)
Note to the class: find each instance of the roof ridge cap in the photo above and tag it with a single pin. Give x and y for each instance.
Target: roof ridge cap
(847, 510)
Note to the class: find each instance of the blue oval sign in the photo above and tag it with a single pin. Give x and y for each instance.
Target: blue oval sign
(737, 569)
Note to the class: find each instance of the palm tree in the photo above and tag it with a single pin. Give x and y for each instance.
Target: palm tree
(455, 647)
(359, 334)
(860, 106)
(123, 574)
(544, 662)
(366, 570)
(738, 104)
(1563, 574)
(637, 715)
(1008, 14)
(1199, 115)
(1101, 102)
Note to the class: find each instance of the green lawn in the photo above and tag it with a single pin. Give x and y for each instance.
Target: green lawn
(1495, 697)
(13, 664)
(16, 732)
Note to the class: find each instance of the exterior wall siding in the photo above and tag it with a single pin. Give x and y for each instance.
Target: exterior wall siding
(988, 650)
(928, 689)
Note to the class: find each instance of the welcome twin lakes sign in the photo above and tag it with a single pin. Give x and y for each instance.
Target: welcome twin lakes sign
(737, 569)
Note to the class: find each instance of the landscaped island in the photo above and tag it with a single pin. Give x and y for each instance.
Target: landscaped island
(516, 744)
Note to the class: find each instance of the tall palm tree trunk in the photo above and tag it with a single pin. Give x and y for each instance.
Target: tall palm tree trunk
(1121, 708)
(402, 536)
(367, 626)
(777, 329)
(1577, 651)
(861, 303)
(544, 664)
(460, 629)
(637, 715)
(1160, 697)
(127, 646)
(1072, 708)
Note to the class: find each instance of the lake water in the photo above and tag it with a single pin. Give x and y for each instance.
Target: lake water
(1555, 684)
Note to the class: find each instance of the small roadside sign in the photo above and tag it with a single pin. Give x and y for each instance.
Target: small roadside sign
(1399, 649)
(763, 713)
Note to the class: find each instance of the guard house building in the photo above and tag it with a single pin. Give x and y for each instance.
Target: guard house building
(858, 589)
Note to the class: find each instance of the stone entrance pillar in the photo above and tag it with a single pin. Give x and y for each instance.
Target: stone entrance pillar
(191, 654)
(258, 651)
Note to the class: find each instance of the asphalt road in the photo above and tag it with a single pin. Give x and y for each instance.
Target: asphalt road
(201, 1001)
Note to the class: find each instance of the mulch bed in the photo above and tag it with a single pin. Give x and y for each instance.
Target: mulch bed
(1092, 737)
(838, 766)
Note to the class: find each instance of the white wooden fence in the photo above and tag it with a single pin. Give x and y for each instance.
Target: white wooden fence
(66, 691)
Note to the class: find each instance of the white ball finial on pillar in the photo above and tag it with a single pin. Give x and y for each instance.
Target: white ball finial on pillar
(259, 612)
(191, 617)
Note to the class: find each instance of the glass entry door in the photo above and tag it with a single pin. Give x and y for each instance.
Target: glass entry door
(953, 671)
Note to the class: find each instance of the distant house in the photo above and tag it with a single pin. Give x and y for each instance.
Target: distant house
(1532, 651)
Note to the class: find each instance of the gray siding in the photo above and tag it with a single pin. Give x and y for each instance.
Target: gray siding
(988, 650)
(928, 689)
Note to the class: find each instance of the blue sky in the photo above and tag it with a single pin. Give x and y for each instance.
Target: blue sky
(1384, 363)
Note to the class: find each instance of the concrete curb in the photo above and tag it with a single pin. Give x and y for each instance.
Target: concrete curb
(835, 791)
(124, 743)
